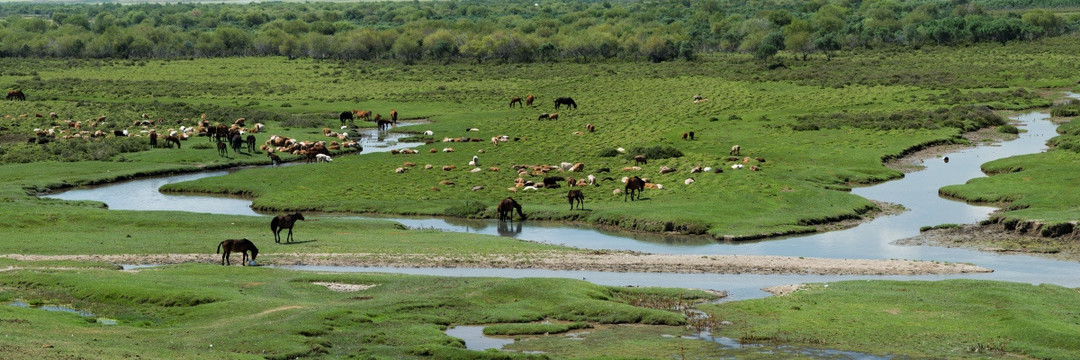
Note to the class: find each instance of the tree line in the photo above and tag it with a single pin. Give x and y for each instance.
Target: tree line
(516, 30)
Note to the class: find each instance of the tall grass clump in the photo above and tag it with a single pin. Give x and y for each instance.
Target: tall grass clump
(1067, 109)
(966, 118)
(655, 152)
(1008, 129)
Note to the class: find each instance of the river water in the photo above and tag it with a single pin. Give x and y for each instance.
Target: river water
(917, 192)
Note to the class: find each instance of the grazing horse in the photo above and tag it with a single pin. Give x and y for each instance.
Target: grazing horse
(553, 116)
(274, 159)
(221, 150)
(515, 100)
(506, 209)
(346, 115)
(171, 139)
(211, 132)
(734, 150)
(529, 100)
(565, 101)
(241, 246)
(16, 94)
(544, 116)
(576, 196)
(633, 184)
(153, 139)
(222, 133)
(362, 114)
(282, 222)
(393, 116)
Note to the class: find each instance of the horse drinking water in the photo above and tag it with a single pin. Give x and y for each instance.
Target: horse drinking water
(282, 222)
(506, 209)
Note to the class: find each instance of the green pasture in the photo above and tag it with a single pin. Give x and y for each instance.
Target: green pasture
(950, 319)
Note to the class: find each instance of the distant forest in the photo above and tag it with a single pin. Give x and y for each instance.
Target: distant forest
(519, 31)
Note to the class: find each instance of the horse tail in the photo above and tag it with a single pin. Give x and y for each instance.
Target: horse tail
(219, 247)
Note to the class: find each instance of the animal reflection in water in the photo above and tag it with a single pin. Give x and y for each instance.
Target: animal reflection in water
(242, 246)
(507, 228)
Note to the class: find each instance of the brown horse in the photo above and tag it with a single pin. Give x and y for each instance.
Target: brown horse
(274, 159)
(633, 184)
(515, 100)
(506, 210)
(393, 116)
(529, 100)
(576, 196)
(221, 150)
(172, 139)
(153, 139)
(383, 124)
(282, 222)
(362, 114)
(16, 94)
(241, 246)
(250, 143)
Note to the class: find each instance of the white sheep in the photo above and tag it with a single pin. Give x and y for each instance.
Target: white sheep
(688, 181)
(475, 161)
(591, 180)
(737, 166)
(707, 169)
(323, 158)
(429, 133)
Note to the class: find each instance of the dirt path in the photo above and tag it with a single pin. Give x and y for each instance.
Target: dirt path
(599, 261)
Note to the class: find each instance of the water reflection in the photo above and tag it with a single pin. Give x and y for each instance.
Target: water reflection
(510, 229)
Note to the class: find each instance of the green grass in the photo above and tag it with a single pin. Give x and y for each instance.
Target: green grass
(939, 319)
(207, 311)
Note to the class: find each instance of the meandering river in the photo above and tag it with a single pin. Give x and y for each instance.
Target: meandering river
(917, 192)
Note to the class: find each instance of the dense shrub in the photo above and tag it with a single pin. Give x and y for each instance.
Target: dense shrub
(1068, 109)
(1008, 129)
(608, 153)
(467, 209)
(655, 152)
(71, 150)
(967, 118)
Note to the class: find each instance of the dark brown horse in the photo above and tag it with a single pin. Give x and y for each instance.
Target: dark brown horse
(383, 124)
(346, 115)
(274, 159)
(282, 222)
(515, 100)
(633, 184)
(506, 210)
(250, 143)
(153, 139)
(576, 196)
(221, 150)
(565, 101)
(242, 246)
(16, 94)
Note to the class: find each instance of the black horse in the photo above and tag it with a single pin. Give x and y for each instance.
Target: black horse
(241, 246)
(346, 115)
(236, 142)
(506, 210)
(633, 184)
(250, 143)
(282, 222)
(565, 101)
(576, 196)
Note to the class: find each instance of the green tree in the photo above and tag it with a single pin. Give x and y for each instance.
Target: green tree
(407, 47)
(827, 44)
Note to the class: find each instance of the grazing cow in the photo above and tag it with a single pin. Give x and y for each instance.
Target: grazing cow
(734, 150)
(633, 185)
(393, 116)
(251, 143)
(515, 100)
(506, 210)
(529, 100)
(242, 246)
(640, 159)
(282, 222)
(274, 159)
(346, 115)
(16, 94)
(576, 196)
(565, 101)
(544, 116)
(221, 149)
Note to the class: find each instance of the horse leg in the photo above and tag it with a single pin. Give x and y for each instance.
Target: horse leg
(289, 239)
(226, 257)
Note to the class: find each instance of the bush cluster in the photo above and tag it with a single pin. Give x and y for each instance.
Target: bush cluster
(71, 150)
(1067, 109)
(655, 152)
(967, 118)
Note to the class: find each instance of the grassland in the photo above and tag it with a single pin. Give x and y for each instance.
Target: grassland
(632, 105)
